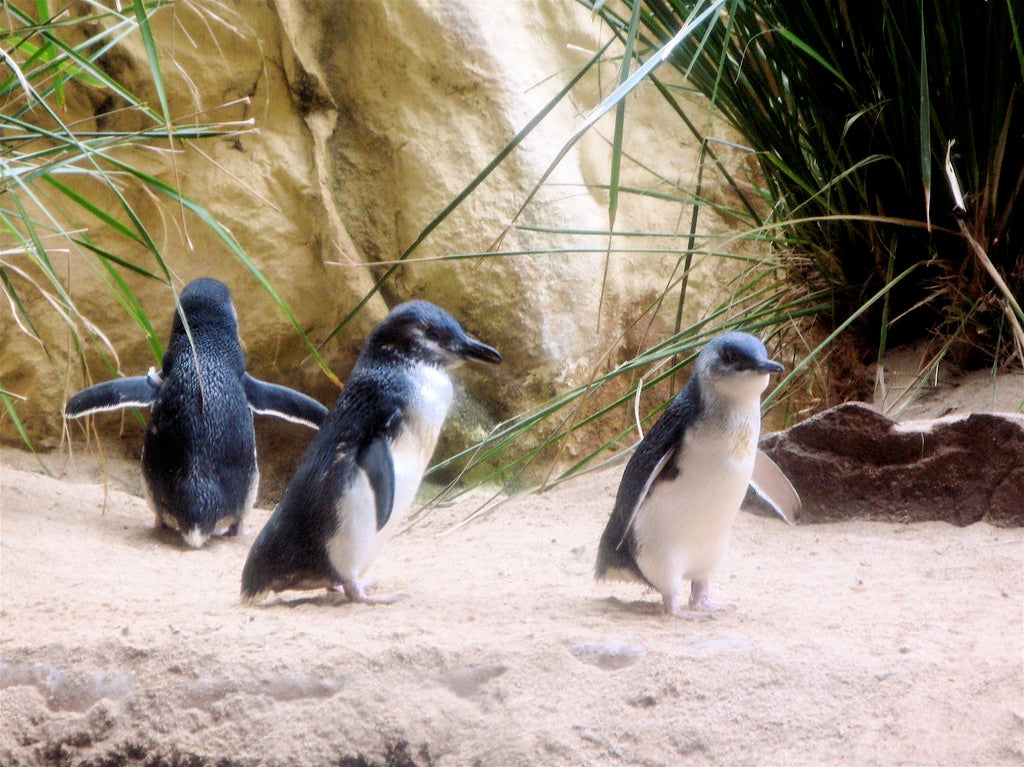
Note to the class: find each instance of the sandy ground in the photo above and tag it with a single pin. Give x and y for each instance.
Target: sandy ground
(857, 642)
(851, 643)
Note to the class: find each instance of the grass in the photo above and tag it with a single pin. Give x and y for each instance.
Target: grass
(860, 125)
(853, 231)
(859, 112)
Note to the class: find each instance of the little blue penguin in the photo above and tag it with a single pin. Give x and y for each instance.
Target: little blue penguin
(199, 455)
(683, 486)
(360, 473)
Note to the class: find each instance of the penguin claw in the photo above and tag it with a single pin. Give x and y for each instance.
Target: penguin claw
(700, 607)
(672, 609)
(710, 606)
(700, 601)
(692, 615)
(356, 592)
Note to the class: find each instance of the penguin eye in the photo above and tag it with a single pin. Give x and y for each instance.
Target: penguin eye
(728, 356)
(433, 334)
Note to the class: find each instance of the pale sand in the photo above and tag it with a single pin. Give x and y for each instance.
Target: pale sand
(851, 643)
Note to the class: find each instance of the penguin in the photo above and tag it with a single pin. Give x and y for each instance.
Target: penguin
(199, 456)
(683, 486)
(359, 474)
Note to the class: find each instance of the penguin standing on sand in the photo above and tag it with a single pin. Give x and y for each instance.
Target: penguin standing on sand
(358, 476)
(199, 457)
(684, 484)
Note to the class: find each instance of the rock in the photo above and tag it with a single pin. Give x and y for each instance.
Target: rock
(370, 117)
(852, 461)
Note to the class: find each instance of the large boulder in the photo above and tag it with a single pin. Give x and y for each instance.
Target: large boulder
(370, 118)
(852, 461)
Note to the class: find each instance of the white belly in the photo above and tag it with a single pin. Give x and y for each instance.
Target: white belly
(355, 544)
(682, 528)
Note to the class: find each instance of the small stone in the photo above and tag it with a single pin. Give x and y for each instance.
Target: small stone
(644, 701)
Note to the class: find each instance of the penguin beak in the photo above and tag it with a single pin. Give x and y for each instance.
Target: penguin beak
(768, 366)
(472, 349)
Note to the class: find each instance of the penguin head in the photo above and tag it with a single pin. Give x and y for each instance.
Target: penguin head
(421, 332)
(736, 364)
(207, 305)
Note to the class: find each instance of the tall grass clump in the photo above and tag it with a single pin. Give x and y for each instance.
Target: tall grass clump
(890, 144)
(868, 122)
(630, 381)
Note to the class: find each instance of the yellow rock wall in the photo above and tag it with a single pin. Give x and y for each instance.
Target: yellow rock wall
(369, 118)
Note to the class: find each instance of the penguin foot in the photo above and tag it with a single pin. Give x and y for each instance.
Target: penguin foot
(700, 600)
(236, 528)
(671, 603)
(356, 592)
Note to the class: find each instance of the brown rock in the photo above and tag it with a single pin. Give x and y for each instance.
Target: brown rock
(852, 461)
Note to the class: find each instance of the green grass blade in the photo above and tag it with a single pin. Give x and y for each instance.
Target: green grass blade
(620, 119)
(8, 403)
(924, 124)
(142, 17)
(803, 46)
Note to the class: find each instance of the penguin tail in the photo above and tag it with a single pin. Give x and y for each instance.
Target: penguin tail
(614, 564)
(250, 597)
(257, 577)
(604, 559)
(253, 590)
(194, 537)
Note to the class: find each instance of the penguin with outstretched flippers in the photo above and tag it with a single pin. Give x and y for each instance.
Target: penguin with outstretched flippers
(199, 456)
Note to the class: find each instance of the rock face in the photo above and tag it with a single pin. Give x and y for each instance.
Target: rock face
(370, 118)
(852, 461)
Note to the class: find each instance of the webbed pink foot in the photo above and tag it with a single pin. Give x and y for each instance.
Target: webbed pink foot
(356, 592)
(671, 604)
(700, 600)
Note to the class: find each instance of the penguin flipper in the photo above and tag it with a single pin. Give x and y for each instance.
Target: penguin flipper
(271, 399)
(652, 461)
(642, 495)
(616, 553)
(374, 458)
(771, 484)
(138, 391)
